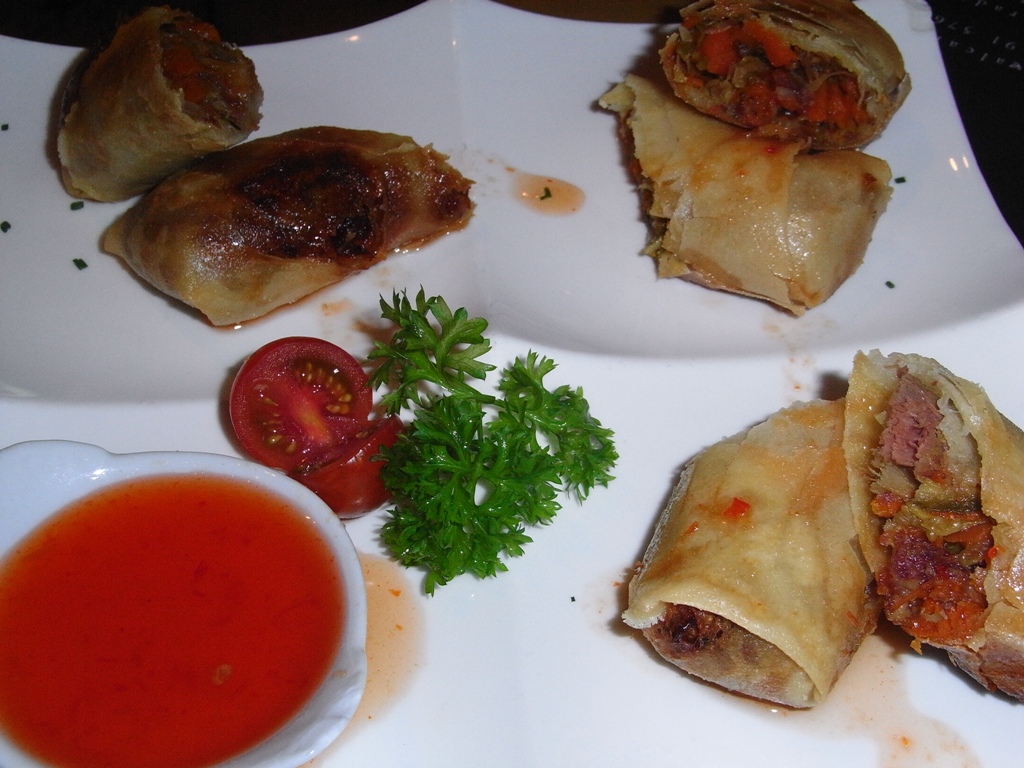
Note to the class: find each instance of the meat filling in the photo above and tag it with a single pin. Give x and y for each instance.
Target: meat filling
(685, 630)
(928, 490)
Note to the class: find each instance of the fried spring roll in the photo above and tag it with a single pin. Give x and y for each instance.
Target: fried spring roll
(267, 222)
(754, 579)
(939, 475)
(165, 91)
(819, 71)
(748, 215)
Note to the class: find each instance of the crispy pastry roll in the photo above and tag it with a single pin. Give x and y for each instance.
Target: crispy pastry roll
(165, 91)
(820, 71)
(748, 215)
(942, 473)
(272, 220)
(754, 579)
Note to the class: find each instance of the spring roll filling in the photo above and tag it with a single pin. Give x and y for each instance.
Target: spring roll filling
(757, 78)
(927, 489)
(213, 77)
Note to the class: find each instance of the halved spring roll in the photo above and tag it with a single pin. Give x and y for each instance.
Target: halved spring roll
(754, 579)
(165, 91)
(939, 475)
(818, 71)
(267, 222)
(748, 215)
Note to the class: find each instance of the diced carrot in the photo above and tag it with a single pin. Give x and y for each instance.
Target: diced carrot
(817, 109)
(836, 103)
(182, 70)
(179, 62)
(778, 52)
(886, 504)
(839, 112)
(937, 611)
(718, 49)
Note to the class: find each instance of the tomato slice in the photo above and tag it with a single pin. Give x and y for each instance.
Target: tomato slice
(348, 478)
(297, 398)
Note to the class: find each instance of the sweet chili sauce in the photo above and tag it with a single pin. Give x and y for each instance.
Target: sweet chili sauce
(169, 622)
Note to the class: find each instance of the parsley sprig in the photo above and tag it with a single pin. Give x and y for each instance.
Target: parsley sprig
(474, 470)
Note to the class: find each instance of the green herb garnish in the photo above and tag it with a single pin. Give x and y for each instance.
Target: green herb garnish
(5, 226)
(77, 205)
(80, 263)
(545, 194)
(473, 470)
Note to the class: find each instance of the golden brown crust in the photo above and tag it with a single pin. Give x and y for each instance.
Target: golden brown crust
(747, 215)
(833, 42)
(994, 653)
(999, 663)
(267, 222)
(125, 125)
(753, 580)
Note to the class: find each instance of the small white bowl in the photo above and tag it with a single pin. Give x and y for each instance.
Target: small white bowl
(39, 478)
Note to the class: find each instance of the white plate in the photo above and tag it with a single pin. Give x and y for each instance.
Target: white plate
(533, 668)
(498, 89)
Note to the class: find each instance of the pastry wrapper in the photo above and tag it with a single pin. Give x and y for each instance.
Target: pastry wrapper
(985, 466)
(125, 127)
(827, 43)
(759, 532)
(267, 222)
(747, 215)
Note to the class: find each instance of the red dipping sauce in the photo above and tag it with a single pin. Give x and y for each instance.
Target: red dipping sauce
(169, 622)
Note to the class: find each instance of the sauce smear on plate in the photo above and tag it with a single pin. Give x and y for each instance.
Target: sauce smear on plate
(546, 194)
(169, 622)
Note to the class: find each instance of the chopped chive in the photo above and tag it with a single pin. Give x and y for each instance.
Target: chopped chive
(546, 194)
(890, 284)
(3, 127)
(77, 205)
(80, 263)
(4, 226)
(900, 179)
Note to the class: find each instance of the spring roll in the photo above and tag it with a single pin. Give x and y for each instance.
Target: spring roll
(752, 216)
(939, 475)
(818, 71)
(165, 91)
(753, 579)
(267, 222)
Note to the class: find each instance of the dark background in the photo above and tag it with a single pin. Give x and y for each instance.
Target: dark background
(981, 43)
(245, 22)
